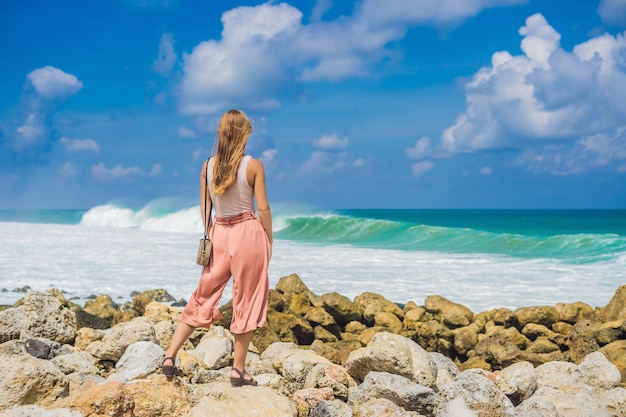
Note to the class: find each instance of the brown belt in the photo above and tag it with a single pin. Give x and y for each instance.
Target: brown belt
(246, 215)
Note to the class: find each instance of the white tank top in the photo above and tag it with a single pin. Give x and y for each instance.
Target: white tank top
(239, 197)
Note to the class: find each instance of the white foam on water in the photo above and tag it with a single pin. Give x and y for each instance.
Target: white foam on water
(85, 260)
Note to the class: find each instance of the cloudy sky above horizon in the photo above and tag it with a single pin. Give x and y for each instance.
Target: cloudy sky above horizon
(355, 104)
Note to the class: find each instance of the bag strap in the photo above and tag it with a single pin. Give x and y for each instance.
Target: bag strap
(207, 219)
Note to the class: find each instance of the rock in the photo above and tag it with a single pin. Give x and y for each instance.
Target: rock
(160, 295)
(81, 362)
(27, 380)
(573, 312)
(85, 319)
(479, 394)
(370, 303)
(465, 338)
(264, 337)
(215, 349)
(120, 336)
(616, 353)
(342, 310)
(37, 348)
(543, 345)
(45, 317)
(615, 401)
(497, 352)
(330, 376)
(534, 331)
(318, 316)
(583, 340)
(518, 381)
(159, 398)
(547, 401)
(511, 334)
(597, 372)
(399, 390)
(157, 312)
(456, 408)
(475, 362)
(394, 354)
(307, 398)
(334, 408)
(296, 367)
(446, 369)
(451, 314)
(355, 327)
(324, 335)
(388, 321)
(298, 304)
(110, 399)
(103, 307)
(37, 411)
(221, 400)
(11, 323)
(138, 361)
(379, 407)
(291, 328)
(278, 352)
(616, 309)
(554, 374)
(291, 284)
(85, 336)
(276, 301)
(546, 315)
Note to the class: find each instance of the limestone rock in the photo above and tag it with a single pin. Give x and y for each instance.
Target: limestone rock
(479, 394)
(103, 307)
(395, 354)
(341, 308)
(307, 398)
(546, 315)
(291, 328)
(597, 372)
(382, 407)
(573, 312)
(45, 316)
(497, 352)
(110, 399)
(81, 362)
(399, 390)
(157, 312)
(222, 400)
(330, 376)
(159, 398)
(446, 369)
(334, 408)
(138, 361)
(615, 401)
(85, 336)
(318, 316)
(291, 284)
(297, 366)
(27, 380)
(518, 381)
(37, 411)
(215, 349)
(451, 314)
(547, 401)
(388, 321)
(11, 323)
(371, 303)
(278, 352)
(616, 309)
(160, 295)
(119, 337)
(616, 353)
(554, 374)
(465, 338)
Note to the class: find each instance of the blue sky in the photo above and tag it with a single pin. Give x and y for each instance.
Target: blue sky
(373, 103)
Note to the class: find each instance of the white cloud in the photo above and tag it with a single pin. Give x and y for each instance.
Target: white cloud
(613, 12)
(53, 83)
(199, 154)
(421, 148)
(167, 56)
(266, 49)
(486, 170)
(422, 167)
(331, 142)
(101, 173)
(324, 163)
(77, 145)
(67, 170)
(320, 7)
(545, 95)
(156, 170)
(358, 163)
(30, 132)
(268, 157)
(186, 133)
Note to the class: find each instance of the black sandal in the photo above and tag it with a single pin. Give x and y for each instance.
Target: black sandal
(170, 371)
(241, 381)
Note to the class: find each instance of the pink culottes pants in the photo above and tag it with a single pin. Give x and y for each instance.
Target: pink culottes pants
(242, 250)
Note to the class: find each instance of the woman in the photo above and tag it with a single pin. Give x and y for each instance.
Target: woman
(242, 246)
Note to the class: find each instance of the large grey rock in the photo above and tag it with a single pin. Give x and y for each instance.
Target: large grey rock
(222, 400)
(46, 317)
(215, 349)
(81, 362)
(395, 354)
(378, 407)
(573, 401)
(25, 380)
(138, 361)
(399, 390)
(615, 401)
(518, 381)
(277, 352)
(446, 369)
(597, 372)
(455, 408)
(555, 374)
(479, 394)
(11, 323)
(297, 366)
(332, 376)
(119, 337)
(334, 408)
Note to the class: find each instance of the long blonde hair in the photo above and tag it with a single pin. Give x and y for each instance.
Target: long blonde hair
(232, 136)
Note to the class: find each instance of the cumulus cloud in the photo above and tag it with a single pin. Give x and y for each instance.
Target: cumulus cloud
(546, 95)
(331, 142)
(164, 64)
(486, 170)
(421, 148)
(324, 163)
(422, 167)
(67, 170)
(101, 173)
(186, 133)
(156, 170)
(53, 83)
(77, 145)
(613, 12)
(358, 163)
(266, 50)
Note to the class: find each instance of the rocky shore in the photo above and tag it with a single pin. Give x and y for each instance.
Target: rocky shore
(318, 356)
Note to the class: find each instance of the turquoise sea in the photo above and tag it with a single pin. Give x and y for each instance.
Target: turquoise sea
(480, 258)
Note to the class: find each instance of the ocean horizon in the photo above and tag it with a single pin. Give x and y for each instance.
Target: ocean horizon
(483, 259)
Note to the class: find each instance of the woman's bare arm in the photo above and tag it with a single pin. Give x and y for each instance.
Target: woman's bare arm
(256, 173)
(205, 197)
